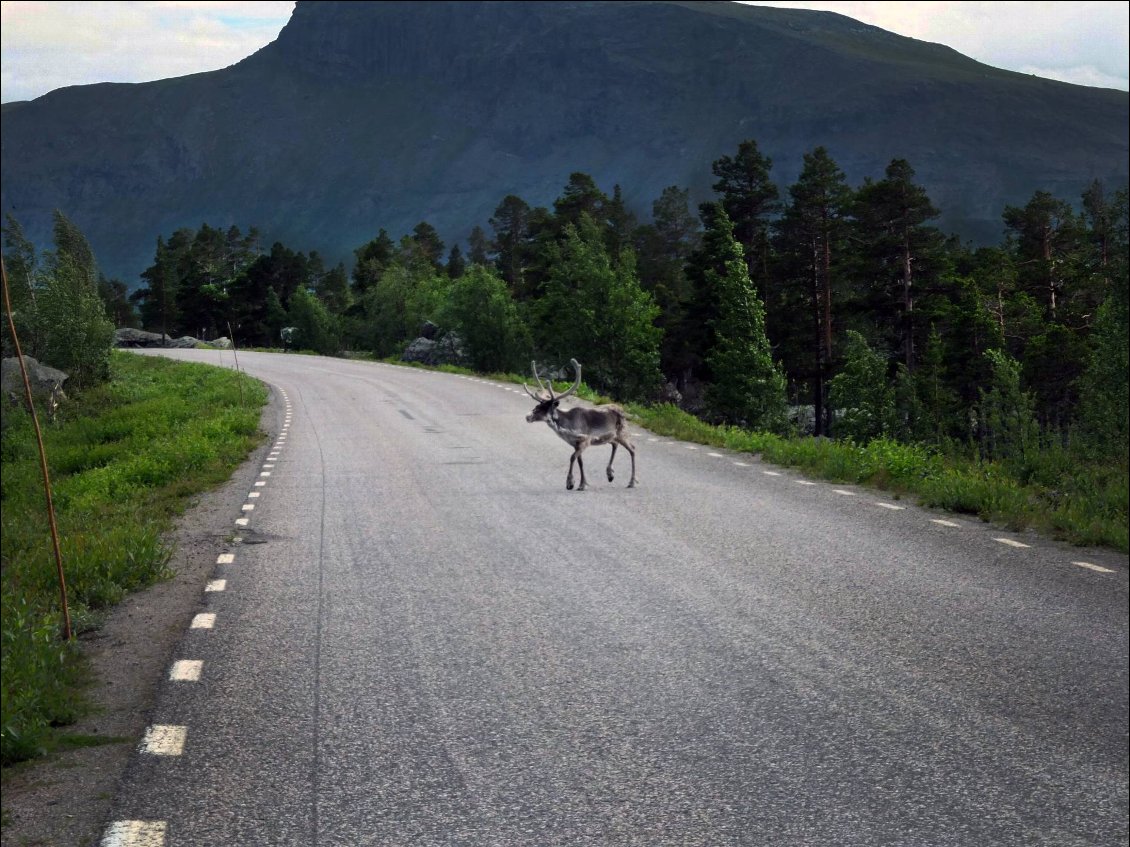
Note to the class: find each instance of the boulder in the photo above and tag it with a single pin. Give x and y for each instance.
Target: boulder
(129, 337)
(43, 378)
(448, 349)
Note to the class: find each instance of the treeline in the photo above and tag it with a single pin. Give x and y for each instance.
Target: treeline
(825, 307)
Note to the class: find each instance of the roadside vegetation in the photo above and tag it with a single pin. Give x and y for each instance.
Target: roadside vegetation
(125, 457)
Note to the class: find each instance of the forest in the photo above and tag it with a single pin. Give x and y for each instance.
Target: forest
(821, 308)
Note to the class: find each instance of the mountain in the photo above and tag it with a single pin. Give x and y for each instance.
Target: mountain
(363, 116)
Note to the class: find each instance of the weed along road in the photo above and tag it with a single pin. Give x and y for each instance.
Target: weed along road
(424, 639)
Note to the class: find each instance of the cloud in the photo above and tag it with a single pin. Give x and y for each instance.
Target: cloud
(48, 45)
(1080, 42)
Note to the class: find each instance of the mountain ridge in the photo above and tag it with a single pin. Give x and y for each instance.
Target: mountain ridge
(362, 116)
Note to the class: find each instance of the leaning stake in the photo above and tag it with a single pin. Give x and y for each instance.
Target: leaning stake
(42, 456)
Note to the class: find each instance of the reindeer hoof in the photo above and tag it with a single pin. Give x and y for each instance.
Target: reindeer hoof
(569, 484)
(611, 475)
(632, 484)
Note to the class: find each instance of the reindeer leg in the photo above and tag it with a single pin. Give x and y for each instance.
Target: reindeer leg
(611, 458)
(569, 478)
(631, 452)
(581, 466)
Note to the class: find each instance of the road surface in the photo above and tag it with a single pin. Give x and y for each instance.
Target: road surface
(418, 636)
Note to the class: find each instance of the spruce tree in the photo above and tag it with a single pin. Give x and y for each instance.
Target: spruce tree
(750, 199)
(811, 240)
(747, 386)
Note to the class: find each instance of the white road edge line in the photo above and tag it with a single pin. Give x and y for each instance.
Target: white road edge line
(1011, 543)
(845, 493)
(225, 558)
(890, 506)
(1092, 567)
(940, 522)
(205, 620)
(162, 739)
(135, 834)
(216, 585)
(186, 670)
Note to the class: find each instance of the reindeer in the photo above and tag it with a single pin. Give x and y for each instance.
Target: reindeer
(581, 427)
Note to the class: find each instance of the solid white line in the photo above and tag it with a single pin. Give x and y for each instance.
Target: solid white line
(890, 506)
(134, 834)
(940, 522)
(225, 558)
(1010, 542)
(205, 620)
(164, 740)
(216, 585)
(186, 670)
(845, 493)
(1092, 567)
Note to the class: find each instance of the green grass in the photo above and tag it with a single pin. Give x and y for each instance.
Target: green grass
(125, 458)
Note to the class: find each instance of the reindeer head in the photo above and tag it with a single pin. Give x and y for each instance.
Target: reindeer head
(547, 401)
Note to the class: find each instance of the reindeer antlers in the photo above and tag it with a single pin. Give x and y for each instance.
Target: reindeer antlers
(548, 389)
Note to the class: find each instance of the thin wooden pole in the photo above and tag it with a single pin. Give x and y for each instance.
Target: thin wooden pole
(238, 372)
(42, 458)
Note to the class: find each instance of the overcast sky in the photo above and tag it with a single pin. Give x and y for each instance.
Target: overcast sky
(48, 45)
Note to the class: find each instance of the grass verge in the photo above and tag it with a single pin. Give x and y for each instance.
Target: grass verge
(125, 459)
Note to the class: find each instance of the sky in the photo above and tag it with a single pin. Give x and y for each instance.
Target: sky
(48, 45)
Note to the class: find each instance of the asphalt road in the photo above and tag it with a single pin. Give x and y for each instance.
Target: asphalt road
(424, 639)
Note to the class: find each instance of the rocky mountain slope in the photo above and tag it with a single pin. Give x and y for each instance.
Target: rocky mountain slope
(368, 115)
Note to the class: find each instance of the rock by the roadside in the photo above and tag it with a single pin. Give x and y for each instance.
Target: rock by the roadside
(129, 337)
(419, 350)
(43, 378)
